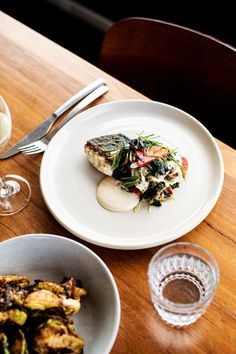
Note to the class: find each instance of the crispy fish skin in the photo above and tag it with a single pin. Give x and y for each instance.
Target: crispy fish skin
(102, 150)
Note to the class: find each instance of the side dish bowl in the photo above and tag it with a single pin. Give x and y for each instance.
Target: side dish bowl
(51, 257)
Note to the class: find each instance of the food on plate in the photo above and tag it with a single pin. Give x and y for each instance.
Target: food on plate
(15, 281)
(142, 167)
(13, 316)
(54, 335)
(112, 197)
(34, 318)
(102, 151)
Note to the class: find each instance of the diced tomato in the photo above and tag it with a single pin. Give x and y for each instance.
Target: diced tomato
(140, 154)
(145, 161)
(135, 190)
(170, 191)
(142, 159)
(153, 153)
(157, 151)
(184, 164)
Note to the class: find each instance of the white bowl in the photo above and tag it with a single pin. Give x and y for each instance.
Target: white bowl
(51, 257)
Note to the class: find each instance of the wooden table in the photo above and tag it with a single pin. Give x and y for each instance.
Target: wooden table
(36, 76)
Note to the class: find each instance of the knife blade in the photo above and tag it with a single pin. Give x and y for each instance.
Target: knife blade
(41, 130)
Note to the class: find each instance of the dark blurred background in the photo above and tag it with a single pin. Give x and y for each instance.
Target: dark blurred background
(80, 25)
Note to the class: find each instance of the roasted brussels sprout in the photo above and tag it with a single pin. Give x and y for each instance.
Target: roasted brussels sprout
(79, 292)
(11, 295)
(17, 316)
(34, 318)
(73, 288)
(13, 316)
(13, 290)
(67, 287)
(3, 317)
(70, 306)
(18, 344)
(44, 299)
(21, 281)
(48, 285)
(4, 345)
(57, 336)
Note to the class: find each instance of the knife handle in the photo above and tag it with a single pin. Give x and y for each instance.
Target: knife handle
(81, 105)
(78, 96)
(41, 130)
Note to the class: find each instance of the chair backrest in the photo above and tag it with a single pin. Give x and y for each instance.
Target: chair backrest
(178, 66)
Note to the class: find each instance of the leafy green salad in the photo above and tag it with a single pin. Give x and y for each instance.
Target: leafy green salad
(149, 169)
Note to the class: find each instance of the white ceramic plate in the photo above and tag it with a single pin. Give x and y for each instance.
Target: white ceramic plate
(52, 257)
(69, 182)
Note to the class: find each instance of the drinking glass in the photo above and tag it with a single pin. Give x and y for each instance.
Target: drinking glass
(182, 278)
(15, 191)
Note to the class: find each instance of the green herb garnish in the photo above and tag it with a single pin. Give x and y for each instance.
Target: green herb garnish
(149, 140)
(171, 157)
(175, 185)
(130, 181)
(117, 158)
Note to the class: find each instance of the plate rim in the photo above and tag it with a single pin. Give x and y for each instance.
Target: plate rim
(141, 245)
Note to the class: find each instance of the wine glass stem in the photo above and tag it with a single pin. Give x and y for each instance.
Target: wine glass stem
(5, 192)
(15, 194)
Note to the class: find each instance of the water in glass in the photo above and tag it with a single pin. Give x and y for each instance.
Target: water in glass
(182, 279)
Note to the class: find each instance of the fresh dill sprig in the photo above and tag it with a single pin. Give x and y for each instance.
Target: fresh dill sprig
(173, 151)
(109, 150)
(130, 181)
(150, 139)
(117, 158)
(171, 157)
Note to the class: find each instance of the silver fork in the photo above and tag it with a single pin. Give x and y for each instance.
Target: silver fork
(41, 145)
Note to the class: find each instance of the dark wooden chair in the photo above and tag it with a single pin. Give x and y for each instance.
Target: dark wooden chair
(178, 66)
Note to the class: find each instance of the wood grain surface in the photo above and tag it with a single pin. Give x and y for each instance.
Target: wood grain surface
(36, 76)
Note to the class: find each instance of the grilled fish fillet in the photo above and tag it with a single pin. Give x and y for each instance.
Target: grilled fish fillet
(102, 150)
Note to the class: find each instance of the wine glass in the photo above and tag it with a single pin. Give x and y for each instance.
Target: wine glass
(15, 191)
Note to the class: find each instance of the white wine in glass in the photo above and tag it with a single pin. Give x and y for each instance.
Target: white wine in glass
(15, 191)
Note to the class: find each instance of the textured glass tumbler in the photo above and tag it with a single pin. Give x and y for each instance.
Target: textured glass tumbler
(182, 278)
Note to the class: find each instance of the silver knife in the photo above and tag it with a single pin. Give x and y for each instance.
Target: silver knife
(40, 131)
(41, 145)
